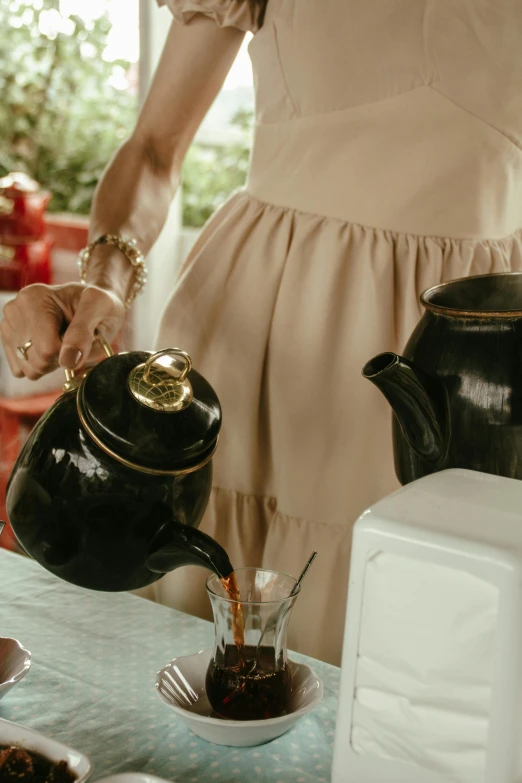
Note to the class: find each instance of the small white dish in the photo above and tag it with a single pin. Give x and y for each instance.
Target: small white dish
(15, 662)
(181, 685)
(133, 777)
(28, 739)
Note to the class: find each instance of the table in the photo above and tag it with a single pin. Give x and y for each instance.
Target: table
(91, 686)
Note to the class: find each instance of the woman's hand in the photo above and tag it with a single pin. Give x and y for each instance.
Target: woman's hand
(60, 322)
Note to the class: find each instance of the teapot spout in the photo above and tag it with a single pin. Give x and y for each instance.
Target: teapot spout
(176, 545)
(417, 399)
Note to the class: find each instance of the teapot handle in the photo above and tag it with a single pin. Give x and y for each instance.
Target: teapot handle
(71, 380)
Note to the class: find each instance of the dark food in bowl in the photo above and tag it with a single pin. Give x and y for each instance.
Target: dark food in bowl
(18, 765)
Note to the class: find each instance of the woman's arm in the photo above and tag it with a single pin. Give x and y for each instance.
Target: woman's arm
(136, 190)
(132, 198)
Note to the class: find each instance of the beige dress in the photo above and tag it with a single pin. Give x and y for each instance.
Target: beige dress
(387, 158)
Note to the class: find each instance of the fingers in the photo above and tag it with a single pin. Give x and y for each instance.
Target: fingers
(39, 314)
(97, 310)
(25, 321)
(7, 336)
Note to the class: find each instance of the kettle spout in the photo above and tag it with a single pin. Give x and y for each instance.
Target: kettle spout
(417, 399)
(176, 545)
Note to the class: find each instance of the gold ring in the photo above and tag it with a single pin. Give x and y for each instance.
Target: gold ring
(22, 349)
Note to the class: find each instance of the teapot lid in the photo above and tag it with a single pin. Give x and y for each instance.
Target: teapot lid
(151, 412)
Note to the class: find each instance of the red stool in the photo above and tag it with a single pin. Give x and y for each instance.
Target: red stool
(17, 418)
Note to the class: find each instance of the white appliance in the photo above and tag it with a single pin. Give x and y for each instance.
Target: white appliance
(431, 682)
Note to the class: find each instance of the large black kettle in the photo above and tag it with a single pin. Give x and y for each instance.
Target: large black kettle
(457, 390)
(109, 489)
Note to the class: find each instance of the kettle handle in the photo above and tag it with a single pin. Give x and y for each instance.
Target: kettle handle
(71, 380)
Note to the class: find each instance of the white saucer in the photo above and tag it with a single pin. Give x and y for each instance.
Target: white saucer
(181, 685)
(15, 662)
(133, 777)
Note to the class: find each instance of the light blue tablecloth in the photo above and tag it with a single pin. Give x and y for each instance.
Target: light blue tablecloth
(91, 686)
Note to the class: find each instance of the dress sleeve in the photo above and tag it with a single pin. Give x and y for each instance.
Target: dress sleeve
(226, 13)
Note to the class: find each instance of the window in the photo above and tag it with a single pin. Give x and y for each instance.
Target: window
(69, 84)
(69, 92)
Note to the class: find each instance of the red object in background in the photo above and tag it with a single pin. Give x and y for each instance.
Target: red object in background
(25, 250)
(17, 418)
(24, 264)
(22, 208)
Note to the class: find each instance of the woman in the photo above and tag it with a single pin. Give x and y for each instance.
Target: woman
(387, 158)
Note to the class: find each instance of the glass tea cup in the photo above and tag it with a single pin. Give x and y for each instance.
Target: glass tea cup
(248, 677)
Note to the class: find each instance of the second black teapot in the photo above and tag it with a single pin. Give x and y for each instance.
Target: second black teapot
(457, 391)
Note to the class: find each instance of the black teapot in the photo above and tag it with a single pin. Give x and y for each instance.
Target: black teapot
(457, 391)
(109, 489)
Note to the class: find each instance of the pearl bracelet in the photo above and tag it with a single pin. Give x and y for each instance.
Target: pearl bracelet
(129, 248)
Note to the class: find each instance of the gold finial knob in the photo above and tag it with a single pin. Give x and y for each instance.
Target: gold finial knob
(162, 385)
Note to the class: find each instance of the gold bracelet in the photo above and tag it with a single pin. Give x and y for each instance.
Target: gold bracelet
(129, 248)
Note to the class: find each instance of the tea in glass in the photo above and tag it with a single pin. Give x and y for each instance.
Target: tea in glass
(248, 677)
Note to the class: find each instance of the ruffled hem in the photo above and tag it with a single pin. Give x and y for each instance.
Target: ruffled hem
(225, 13)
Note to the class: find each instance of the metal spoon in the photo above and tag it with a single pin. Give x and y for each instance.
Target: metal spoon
(303, 574)
(274, 619)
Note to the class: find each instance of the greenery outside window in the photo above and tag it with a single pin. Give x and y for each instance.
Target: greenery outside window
(64, 108)
(68, 101)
